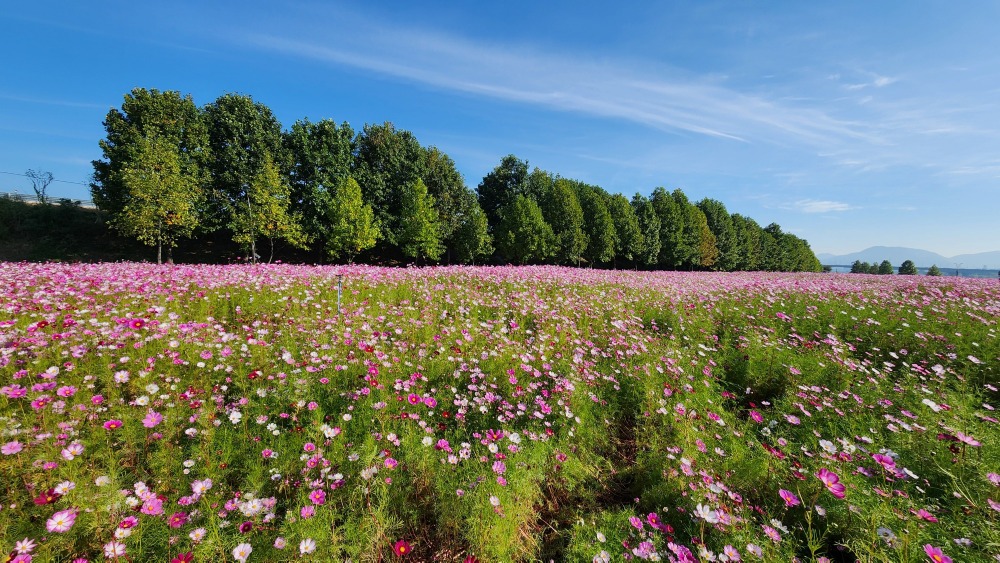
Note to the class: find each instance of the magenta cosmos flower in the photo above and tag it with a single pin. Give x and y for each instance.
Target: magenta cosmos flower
(112, 424)
(789, 497)
(832, 482)
(935, 554)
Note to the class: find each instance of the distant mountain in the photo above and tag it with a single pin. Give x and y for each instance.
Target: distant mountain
(922, 258)
(989, 259)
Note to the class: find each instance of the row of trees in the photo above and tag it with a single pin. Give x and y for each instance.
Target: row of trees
(537, 216)
(907, 268)
(173, 170)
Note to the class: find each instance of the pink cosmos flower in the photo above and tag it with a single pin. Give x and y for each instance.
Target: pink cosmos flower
(789, 497)
(112, 424)
(885, 461)
(923, 514)
(61, 521)
(27, 545)
(935, 554)
(11, 448)
(832, 482)
(152, 419)
(152, 507)
(114, 549)
(966, 439)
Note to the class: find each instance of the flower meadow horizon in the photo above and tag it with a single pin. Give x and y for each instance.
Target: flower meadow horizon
(495, 414)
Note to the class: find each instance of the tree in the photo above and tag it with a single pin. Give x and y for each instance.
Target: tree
(873, 268)
(471, 239)
(628, 236)
(707, 253)
(907, 268)
(264, 212)
(445, 184)
(597, 224)
(720, 222)
(40, 181)
(859, 267)
(350, 223)
(387, 163)
(885, 268)
(160, 202)
(321, 155)
(243, 136)
(561, 210)
(419, 231)
(523, 235)
(501, 187)
(649, 225)
(750, 239)
(169, 117)
(672, 249)
(933, 270)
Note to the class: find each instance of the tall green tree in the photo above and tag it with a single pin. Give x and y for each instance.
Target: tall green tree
(597, 224)
(419, 231)
(908, 268)
(445, 184)
(523, 235)
(471, 241)
(388, 162)
(243, 136)
(350, 225)
(264, 213)
(321, 155)
(160, 203)
(859, 267)
(561, 210)
(933, 270)
(501, 186)
(750, 243)
(885, 268)
(173, 120)
(628, 236)
(649, 225)
(673, 250)
(720, 222)
(688, 252)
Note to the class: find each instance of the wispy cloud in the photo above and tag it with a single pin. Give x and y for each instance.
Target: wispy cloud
(820, 206)
(53, 102)
(643, 93)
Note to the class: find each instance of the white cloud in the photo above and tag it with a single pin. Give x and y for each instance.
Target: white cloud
(820, 206)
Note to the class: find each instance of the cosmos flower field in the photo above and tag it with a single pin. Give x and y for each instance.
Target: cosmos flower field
(231, 413)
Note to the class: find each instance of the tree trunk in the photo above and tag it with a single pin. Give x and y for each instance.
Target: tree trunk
(159, 253)
(271, 257)
(253, 251)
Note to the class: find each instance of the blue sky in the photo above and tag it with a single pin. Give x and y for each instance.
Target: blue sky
(850, 124)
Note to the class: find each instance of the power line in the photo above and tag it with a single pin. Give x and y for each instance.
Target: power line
(54, 179)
